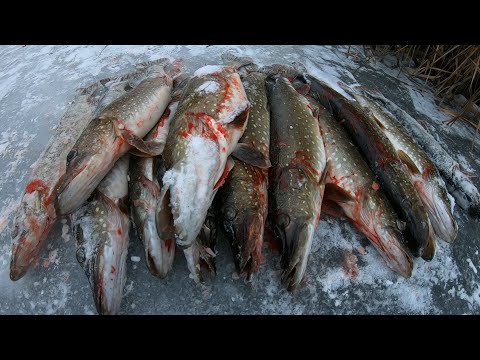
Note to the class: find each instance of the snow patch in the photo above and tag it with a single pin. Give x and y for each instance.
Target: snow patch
(208, 69)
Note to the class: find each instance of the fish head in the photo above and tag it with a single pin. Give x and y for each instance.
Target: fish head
(440, 210)
(29, 229)
(385, 232)
(87, 163)
(295, 218)
(244, 229)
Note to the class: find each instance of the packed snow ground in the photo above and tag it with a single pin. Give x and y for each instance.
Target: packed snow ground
(345, 274)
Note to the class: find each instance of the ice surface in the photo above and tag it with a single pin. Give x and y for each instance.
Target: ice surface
(38, 82)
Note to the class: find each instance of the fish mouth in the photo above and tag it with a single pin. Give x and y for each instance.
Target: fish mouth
(297, 240)
(159, 252)
(246, 239)
(440, 215)
(20, 260)
(77, 184)
(389, 244)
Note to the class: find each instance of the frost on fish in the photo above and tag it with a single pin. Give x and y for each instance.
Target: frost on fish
(205, 129)
(36, 214)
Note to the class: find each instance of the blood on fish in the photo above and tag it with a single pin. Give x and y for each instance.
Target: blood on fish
(168, 244)
(119, 232)
(164, 117)
(184, 134)
(36, 185)
(222, 178)
(375, 186)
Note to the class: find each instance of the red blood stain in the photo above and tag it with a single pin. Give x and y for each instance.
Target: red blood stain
(426, 173)
(375, 186)
(164, 117)
(222, 178)
(225, 96)
(184, 134)
(119, 232)
(169, 244)
(112, 270)
(224, 149)
(42, 188)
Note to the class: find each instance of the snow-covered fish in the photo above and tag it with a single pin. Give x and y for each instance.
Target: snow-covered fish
(210, 119)
(384, 162)
(351, 192)
(296, 177)
(101, 227)
(118, 128)
(36, 213)
(423, 173)
(241, 202)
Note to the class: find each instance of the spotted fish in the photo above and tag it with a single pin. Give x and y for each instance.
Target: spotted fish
(296, 177)
(423, 173)
(351, 192)
(241, 202)
(384, 162)
(101, 227)
(118, 128)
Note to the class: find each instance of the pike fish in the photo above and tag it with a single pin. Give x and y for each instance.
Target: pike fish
(36, 214)
(241, 202)
(423, 173)
(296, 177)
(101, 227)
(210, 119)
(118, 128)
(384, 162)
(351, 192)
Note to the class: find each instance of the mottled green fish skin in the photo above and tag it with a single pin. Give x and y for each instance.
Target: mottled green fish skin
(298, 162)
(367, 208)
(428, 182)
(384, 162)
(100, 145)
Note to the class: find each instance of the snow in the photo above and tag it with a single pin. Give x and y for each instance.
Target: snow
(38, 82)
(207, 70)
(208, 87)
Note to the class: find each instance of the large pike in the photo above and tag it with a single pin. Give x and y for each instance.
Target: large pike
(352, 193)
(210, 119)
(101, 228)
(36, 215)
(144, 190)
(118, 128)
(296, 177)
(423, 173)
(241, 202)
(384, 162)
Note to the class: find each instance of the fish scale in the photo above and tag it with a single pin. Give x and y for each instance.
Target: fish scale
(241, 203)
(423, 173)
(351, 192)
(295, 178)
(384, 162)
(120, 126)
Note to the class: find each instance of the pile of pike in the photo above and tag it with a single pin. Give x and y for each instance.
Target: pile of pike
(232, 151)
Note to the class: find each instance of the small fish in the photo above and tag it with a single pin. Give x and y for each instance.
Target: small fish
(352, 193)
(296, 177)
(241, 202)
(385, 164)
(118, 128)
(423, 173)
(101, 227)
(144, 190)
(210, 119)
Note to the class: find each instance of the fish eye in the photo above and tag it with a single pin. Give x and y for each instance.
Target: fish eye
(229, 213)
(283, 220)
(71, 155)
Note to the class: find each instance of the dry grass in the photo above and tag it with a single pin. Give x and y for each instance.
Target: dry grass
(452, 70)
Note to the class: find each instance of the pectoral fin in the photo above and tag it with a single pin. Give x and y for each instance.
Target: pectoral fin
(251, 156)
